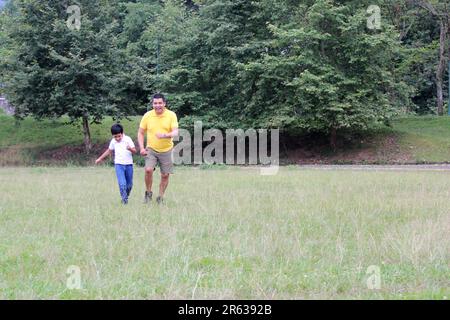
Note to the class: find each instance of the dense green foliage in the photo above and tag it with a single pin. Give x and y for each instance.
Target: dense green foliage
(298, 65)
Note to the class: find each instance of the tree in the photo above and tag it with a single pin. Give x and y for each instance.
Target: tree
(325, 71)
(57, 70)
(295, 65)
(134, 79)
(440, 10)
(7, 11)
(176, 52)
(200, 47)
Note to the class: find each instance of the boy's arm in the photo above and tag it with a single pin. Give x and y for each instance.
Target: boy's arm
(130, 145)
(132, 149)
(103, 156)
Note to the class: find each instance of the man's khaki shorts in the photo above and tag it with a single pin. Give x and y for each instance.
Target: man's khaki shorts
(163, 158)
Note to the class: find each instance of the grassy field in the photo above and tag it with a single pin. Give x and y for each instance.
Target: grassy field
(227, 233)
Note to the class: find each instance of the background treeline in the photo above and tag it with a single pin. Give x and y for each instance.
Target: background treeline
(299, 65)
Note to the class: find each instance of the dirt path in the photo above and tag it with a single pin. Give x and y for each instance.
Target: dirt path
(421, 167)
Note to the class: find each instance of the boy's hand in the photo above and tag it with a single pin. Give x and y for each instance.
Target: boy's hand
(143, 152)
(98, 161)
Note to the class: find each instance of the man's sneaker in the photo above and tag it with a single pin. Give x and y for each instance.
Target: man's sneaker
(124, 201)
(159, 200)
(148, 196)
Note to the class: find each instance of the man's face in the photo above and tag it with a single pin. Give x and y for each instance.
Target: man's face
(159, 105)
(118, 137)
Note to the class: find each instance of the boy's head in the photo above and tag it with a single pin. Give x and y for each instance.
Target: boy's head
(117, 132)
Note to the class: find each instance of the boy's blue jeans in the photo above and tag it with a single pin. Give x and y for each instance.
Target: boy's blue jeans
(124, 175)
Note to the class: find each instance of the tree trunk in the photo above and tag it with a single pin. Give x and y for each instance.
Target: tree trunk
(441, 68)
(333, 138)
(87, 134)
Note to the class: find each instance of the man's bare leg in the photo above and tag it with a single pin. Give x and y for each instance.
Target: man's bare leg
(163, 185)
(148, 183)
(149, 178)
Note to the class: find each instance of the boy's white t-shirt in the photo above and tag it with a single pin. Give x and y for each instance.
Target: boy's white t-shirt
(121, 154)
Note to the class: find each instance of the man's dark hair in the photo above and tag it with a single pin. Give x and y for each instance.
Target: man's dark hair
(116, 129)
(159, 96)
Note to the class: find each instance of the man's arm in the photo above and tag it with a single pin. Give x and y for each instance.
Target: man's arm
(141, 133)
(171, 134)
(103, 156)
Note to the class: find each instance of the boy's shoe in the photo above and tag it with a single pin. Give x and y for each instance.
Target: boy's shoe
(124, 201)
(148, 196)
(159, 200)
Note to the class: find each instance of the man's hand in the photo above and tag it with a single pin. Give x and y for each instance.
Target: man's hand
(143, 152)
(162, 135)
(98, 161)
(169, 135)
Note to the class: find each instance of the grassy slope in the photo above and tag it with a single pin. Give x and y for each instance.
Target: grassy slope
(416, 139)
(227, 233)
(50, 134)
(33, 142)
(427, 138)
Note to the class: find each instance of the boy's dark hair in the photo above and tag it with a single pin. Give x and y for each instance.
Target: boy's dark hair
(159, 96)
(116, 129)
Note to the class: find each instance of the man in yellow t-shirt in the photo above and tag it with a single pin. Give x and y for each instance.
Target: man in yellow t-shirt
(161, 125)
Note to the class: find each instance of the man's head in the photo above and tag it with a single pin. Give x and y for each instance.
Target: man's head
(159, 103)
(117, 132)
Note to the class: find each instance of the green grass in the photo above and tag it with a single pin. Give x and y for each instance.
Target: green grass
(427, 139)
(227, 233)
(32, 142)
(56, 133)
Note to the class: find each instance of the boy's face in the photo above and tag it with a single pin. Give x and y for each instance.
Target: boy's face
(118, 136)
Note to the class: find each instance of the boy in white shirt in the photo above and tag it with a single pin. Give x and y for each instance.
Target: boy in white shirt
(123, 148)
